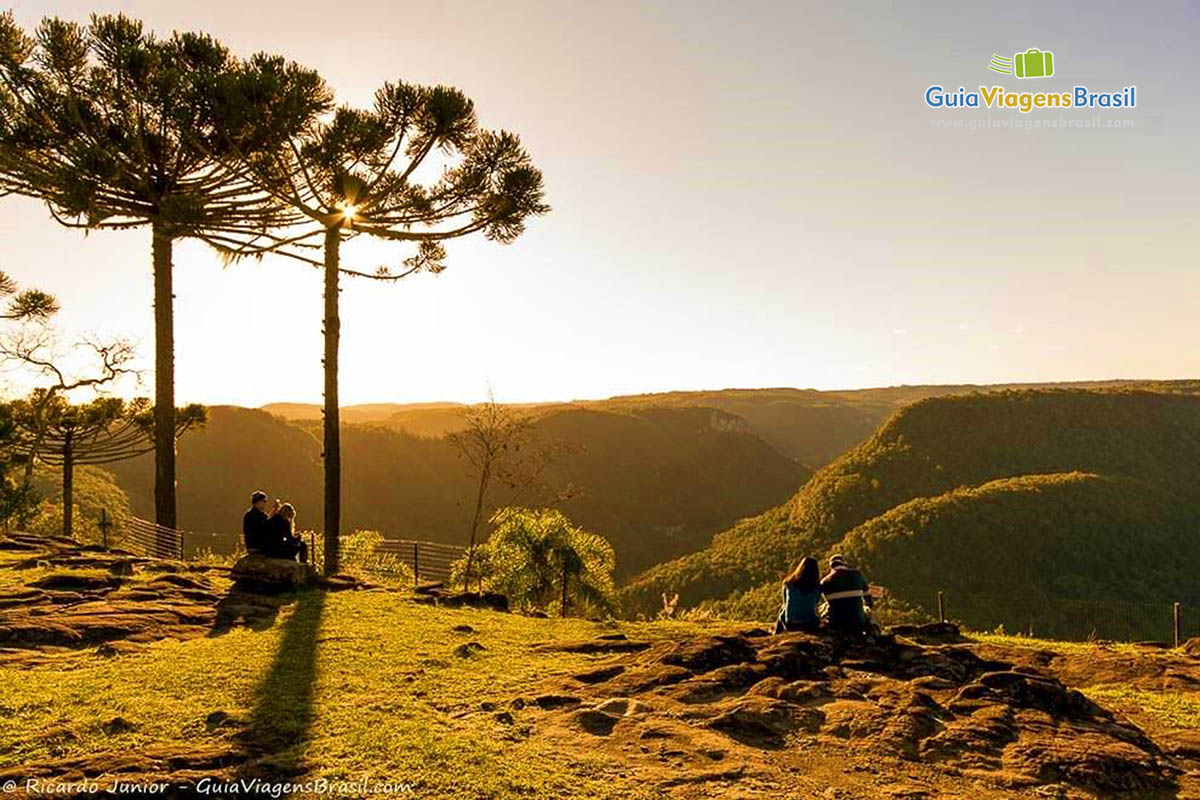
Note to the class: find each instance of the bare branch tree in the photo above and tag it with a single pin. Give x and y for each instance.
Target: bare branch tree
(501, 446)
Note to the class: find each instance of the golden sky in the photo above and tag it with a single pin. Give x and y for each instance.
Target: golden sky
(745, 194)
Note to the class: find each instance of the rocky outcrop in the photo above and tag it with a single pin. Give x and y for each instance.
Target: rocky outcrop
(943, 705)
(257, 573)
(439, 594)
(80, 596)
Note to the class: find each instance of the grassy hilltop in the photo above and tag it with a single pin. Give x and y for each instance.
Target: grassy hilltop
(1073, 494)
(129, 675)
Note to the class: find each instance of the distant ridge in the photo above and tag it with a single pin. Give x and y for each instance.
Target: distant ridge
(1071, 492)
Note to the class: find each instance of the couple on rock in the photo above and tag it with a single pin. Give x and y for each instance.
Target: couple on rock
(846, 592)
(268, 527)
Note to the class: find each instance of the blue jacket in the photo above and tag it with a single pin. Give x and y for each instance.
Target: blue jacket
(799, 607)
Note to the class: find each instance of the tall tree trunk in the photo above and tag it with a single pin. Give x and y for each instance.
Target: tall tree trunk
(333, 440)
(68, 484)
(164, 385)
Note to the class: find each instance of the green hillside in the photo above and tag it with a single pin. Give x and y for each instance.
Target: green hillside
(810, 426)
(657, 482)
(1071, 494)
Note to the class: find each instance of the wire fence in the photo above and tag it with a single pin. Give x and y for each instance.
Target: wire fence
(424, 560)
(146, 538)
(428, 561)
(1046, 616)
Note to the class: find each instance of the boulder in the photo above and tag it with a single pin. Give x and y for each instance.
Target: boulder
(929, 633)
(468, 649)
(257, 573)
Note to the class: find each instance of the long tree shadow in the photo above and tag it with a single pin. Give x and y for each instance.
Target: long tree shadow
(281, 721)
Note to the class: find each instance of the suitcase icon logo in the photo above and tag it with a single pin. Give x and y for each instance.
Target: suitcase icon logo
(1033, 63)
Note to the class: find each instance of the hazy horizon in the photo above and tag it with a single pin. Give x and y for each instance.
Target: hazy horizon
(707, 390)
(750, 195)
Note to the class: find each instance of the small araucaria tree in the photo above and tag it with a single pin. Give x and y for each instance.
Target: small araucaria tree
(25, 305)
(104, 431)
(112, 128)
(49, 429)
(353, 172)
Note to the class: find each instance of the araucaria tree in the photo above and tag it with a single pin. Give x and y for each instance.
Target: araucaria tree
(353, 172)
(113, 128)
(25, 305)
(47, 428)
(104, 431)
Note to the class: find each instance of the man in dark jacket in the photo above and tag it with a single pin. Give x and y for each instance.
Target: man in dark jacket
(848, 595)
(254, 524)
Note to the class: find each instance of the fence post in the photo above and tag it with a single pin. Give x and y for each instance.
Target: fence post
(181, 545)
(1177, 625)
(941, 607)
(105, 524)
(416, 564)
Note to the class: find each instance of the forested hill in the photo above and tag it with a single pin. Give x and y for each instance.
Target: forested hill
(657, 482)
(1072, 493)
(810, 426)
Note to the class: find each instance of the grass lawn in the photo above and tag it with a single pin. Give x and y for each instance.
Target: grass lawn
(1169, 709)
(1053, 645)
(349, 686)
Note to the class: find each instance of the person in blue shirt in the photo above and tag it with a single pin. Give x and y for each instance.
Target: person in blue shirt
(801, 593)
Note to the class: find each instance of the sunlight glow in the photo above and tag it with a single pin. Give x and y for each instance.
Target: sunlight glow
(349, 210)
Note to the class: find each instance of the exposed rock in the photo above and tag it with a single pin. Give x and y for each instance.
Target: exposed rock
(216, 719)
(76, 582)
(930, 633)
(342, 583)
(764, 721)
(1192, 646)
(595, 721)
(21, 596)
(153, 763)
(1088, 759)
(255, 572)
(941, 704)
(182, 581)
(248, 609)
(720, 682)
(468, 649)
(1023, 690)
(597, 645)
(548, 701)
(486, 600)
(117, 725)
(709, 652)
(599, 675)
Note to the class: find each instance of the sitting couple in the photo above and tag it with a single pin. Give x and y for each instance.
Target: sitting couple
(846, 592)
(268, 528)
